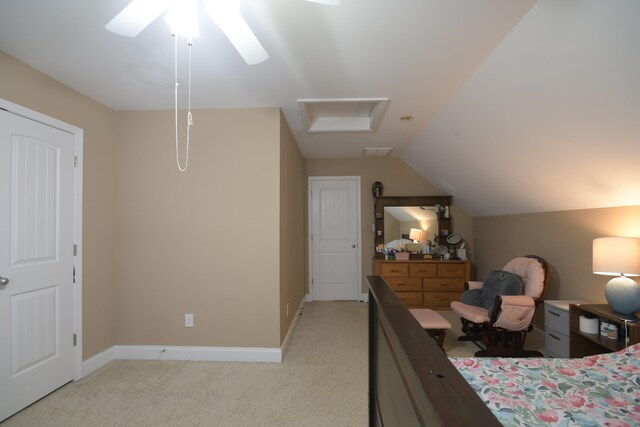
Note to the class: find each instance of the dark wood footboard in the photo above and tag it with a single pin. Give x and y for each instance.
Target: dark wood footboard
(411, 381)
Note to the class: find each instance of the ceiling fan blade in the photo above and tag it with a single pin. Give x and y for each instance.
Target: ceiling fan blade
(329, 2)
(136, 16)
(238, 32)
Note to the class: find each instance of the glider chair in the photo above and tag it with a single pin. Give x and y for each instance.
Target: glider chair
(498, 312)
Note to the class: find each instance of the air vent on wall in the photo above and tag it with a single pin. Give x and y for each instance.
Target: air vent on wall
(342, 115)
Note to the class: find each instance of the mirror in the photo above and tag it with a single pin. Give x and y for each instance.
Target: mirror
(396, 217)
(400, 221)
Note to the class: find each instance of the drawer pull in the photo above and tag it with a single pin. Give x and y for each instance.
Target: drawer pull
(395, 271)
(444, 284)
(553, 336)
(554, 313)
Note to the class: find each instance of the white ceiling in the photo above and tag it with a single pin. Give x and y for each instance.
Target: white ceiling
(519, 106)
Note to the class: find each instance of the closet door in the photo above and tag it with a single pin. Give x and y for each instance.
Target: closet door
(36, 260)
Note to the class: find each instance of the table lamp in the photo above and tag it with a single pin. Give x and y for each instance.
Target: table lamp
(620, 257)
(415, 234)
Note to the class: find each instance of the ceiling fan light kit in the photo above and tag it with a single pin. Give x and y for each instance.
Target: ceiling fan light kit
(183, 21)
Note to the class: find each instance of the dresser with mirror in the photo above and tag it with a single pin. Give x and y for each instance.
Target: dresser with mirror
(422, 280)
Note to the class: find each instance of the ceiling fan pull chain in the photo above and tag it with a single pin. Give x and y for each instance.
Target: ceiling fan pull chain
(189, 116)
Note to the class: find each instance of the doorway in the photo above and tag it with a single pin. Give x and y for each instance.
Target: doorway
(40, 228)
(334, 238)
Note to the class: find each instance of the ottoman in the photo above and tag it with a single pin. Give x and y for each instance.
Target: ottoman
(432, 322)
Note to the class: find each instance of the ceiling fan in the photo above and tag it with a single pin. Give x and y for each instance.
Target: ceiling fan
(183, 19)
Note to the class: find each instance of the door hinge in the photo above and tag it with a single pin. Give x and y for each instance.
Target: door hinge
(75, 161)
(75, 250)
(75, 340)
(74, 274)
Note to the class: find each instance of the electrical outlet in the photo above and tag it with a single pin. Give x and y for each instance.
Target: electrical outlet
(188, 320)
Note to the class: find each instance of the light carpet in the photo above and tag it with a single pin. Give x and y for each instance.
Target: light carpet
(322, 381)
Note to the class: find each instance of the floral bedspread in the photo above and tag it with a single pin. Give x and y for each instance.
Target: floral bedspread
(602, 390)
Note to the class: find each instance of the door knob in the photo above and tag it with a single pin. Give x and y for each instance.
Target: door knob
(4, 281)
(353, 246)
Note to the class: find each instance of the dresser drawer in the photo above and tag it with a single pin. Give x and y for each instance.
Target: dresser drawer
(452, 284)
(555, 343)
(440, 299)
(410, 299)
(404, 283)
(423, 270)
(557, 319)
(394, 270)
(452, 270)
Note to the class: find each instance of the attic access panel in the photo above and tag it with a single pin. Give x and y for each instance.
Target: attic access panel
(342, 115)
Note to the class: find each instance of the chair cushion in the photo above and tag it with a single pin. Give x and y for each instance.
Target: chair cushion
(531, 272)
(471, 313)
(500, 283)
(472, 297)
(516, 313)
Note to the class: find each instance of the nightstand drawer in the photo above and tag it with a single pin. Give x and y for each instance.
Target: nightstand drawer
(556, 318)
(555, 343)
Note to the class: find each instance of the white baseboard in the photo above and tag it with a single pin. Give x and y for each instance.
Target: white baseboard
(210, 354)
(294, 323)
(308, 298)
(364, 297)
(96, 362)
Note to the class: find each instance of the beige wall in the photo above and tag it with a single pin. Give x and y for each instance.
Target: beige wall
(563, 238)
(292, 223)
(399, 179)
(202, 242)
(28, 87)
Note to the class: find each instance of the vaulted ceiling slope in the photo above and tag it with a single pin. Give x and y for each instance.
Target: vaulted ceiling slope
(518, 106)
(417, 53)
(550, 121)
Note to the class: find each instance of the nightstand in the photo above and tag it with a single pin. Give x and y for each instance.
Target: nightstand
(556, 327)
(585, 344)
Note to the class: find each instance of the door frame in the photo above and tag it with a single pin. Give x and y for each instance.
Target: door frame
(310, 180)
(78, 136)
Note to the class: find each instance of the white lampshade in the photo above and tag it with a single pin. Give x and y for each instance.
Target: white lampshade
(415, 234)
(616, 256)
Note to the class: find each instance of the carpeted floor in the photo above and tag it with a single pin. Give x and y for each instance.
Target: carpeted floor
(322, 382)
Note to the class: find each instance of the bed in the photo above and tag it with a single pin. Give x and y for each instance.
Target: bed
(412, 382)
(592, 391)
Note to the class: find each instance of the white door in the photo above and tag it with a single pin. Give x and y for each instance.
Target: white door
(36, 258)
(335, 224)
